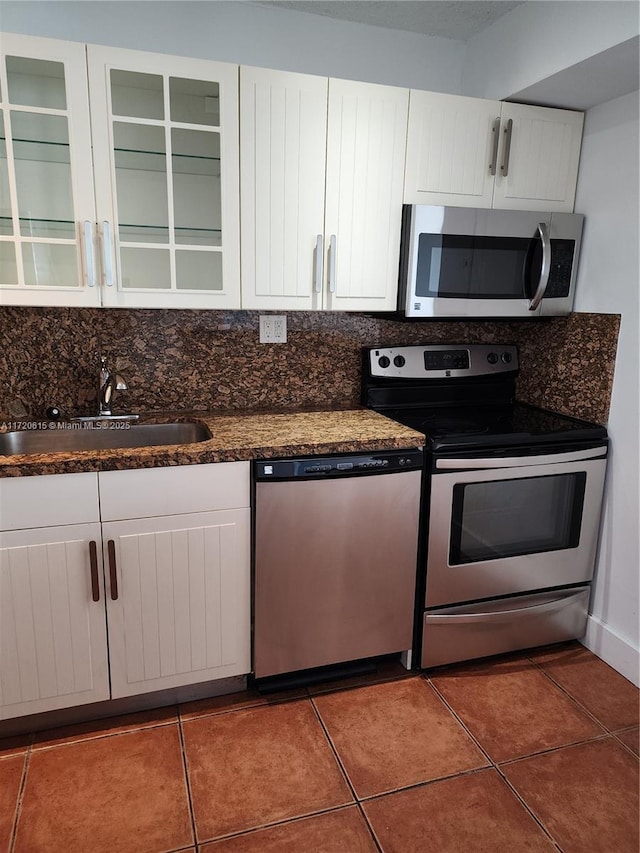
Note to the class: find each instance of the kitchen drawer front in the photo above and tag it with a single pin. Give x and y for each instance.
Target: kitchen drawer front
(479, 630)
(171, 491)
(49, 500)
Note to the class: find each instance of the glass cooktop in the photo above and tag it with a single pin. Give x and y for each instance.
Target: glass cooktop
(493, 426)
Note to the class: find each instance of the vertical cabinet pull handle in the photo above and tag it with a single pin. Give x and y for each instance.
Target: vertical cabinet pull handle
(89, 259)
(495, 130)
(507, 148)
(332, 263)
(93, 562)
(113, 574)
(317, 267)
(107, 262)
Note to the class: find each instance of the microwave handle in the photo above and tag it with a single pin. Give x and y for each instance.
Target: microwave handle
(545, 269)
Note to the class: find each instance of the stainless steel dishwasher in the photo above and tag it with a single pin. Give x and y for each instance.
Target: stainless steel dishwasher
(335, 558)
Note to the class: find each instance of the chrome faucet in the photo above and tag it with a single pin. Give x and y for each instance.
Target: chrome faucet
(110, 382)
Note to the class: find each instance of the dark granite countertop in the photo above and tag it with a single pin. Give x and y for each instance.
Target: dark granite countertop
(235, 436)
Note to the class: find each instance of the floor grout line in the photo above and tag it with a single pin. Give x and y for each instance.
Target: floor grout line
(528, 808)
(187, 781)
(626, 745)
(343, 769)
(496, 767)
(45, 745)
(240, 833)
(23, 782)
(576, 702)
(334, 749)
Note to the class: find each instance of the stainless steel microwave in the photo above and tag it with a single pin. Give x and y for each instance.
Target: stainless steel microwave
(465, 262)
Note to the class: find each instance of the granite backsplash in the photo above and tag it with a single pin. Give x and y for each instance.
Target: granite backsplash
(212, 360)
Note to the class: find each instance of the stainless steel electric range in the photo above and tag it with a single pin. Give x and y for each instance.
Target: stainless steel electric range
(511, 504)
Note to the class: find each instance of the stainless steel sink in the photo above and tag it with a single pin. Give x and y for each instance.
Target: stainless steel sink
(101, 435)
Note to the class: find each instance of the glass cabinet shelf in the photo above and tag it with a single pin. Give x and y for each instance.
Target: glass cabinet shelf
(55, 228)
(184, 236)
(129, 158)
(155, 161)
(36, 141)
(175, 228)
(39, 150)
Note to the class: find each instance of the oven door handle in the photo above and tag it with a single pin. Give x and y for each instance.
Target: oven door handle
(504, 615)
(520, 461)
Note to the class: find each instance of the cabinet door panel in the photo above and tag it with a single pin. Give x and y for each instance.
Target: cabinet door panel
(543, 159)
(365, 168)
(450, 144)
(53, 650)
(46, 177)
(166, 166)
(283, 122)
(182, 612)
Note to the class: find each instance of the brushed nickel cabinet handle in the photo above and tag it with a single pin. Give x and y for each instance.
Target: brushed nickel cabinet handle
(113, 573)
(107, 264)
(317, 268)
(89, 258)
(495, 130)
(93, 562)
(507, 148)
(333, 242)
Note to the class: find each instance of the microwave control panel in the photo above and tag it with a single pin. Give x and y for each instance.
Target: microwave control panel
(561, 268)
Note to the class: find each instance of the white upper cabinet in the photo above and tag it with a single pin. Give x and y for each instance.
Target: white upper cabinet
(165, 136)
(151, 219)
(366, 141)
(47, 209)
(322, 165)
(450, 145)
(283, 129)
(540, 152)
(471, 152)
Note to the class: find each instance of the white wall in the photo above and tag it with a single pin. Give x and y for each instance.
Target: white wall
(539, 39)
(608, 282)
(251, 35)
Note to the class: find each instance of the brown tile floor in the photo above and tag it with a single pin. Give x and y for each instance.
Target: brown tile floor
(535, 752)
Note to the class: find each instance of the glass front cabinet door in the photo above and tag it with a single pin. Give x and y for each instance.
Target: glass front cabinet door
(120, 191)
(165, 144)
(47, 209)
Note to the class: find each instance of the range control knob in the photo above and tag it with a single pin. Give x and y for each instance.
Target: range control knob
(506, 358)
(383, 361)
(492, 358)
(399, 361)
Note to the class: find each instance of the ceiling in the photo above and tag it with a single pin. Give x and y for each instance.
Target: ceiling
(454, 20)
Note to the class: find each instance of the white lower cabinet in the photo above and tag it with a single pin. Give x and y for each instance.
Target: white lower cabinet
(53, 639)
(177, 601)
(169, 584)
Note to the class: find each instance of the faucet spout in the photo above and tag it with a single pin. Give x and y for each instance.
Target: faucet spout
(110, 382)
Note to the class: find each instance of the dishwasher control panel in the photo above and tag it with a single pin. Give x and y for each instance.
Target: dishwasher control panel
(335, 466)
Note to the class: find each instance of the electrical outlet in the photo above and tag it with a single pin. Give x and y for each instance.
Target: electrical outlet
(273, 329)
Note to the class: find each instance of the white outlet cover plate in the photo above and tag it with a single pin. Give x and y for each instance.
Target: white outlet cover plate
(273, 328)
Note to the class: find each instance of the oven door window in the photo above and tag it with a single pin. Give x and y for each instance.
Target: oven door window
(510, 518)
(474, 267)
